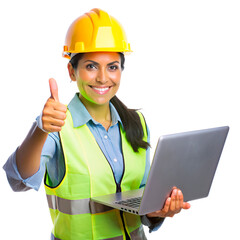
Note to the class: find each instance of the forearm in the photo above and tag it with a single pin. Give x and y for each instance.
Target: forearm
(152, 223)
(28, 155)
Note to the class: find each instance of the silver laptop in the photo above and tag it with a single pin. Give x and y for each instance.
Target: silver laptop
(185, 160)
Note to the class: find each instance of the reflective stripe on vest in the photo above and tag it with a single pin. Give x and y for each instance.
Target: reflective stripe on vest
(73, 207)
(88, 174)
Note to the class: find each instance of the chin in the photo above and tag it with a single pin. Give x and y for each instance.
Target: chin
(99, 101)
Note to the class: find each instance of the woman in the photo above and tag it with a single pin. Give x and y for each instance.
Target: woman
(94, 146)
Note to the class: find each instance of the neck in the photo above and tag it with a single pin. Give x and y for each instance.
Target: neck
(100, 113)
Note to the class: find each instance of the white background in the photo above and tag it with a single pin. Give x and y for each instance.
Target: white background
(183, 73)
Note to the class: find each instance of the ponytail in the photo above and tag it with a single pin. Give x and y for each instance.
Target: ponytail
(132, 125)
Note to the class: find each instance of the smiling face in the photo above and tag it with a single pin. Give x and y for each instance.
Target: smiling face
(98, 77)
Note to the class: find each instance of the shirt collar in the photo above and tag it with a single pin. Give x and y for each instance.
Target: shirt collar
(76, 106)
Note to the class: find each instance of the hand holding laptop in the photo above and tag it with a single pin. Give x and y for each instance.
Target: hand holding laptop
(173, 205)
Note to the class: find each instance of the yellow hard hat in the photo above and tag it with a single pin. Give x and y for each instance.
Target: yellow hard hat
(95, 31)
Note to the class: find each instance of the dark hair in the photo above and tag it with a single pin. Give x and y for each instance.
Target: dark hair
(130, 118)
(132, 124)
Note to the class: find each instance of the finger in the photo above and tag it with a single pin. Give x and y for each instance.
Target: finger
(173, 189)
(52, 104)
(60, 107)
(53, 126)
(166, 205)
(173, 200)
(186, 205)
(60, 115)
(178, 203)
(54, 129)
(53, 113)
(53, 122)
(53, 89)
(180, 197)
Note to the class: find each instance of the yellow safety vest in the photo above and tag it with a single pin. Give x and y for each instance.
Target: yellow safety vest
(88, 174)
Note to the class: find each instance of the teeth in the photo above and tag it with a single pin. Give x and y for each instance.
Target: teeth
(101, 89)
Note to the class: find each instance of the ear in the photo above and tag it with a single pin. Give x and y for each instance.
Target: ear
(71, 72)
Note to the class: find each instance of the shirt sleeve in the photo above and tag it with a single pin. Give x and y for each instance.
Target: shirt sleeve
(17, 183)
(152, 223)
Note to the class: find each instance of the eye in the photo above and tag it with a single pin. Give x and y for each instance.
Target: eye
(113, 67)
(91, 66)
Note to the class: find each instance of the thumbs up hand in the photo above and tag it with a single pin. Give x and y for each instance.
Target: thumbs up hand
(54, 112)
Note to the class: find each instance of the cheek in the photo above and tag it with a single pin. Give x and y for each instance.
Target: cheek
(116, 78)
(84, 78)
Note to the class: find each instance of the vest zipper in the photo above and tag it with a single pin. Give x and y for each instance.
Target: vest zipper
(124, 226)
(119, 189)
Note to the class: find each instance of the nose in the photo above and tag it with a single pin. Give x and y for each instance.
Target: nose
(102, 76)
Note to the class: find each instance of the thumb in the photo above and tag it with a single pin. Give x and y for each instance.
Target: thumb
(186, 205)
(53, 89)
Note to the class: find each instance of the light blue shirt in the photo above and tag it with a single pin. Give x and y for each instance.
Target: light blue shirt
(52, 158)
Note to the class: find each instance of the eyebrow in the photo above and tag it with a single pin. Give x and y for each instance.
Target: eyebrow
(96, 63)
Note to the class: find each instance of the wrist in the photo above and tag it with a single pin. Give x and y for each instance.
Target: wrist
(39, 123)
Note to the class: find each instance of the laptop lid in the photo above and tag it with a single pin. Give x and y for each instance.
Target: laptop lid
(185, 160)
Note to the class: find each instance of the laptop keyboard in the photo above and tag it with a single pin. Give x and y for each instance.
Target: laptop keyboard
(131, 202)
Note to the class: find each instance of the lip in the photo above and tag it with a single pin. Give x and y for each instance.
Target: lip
(101, 90)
